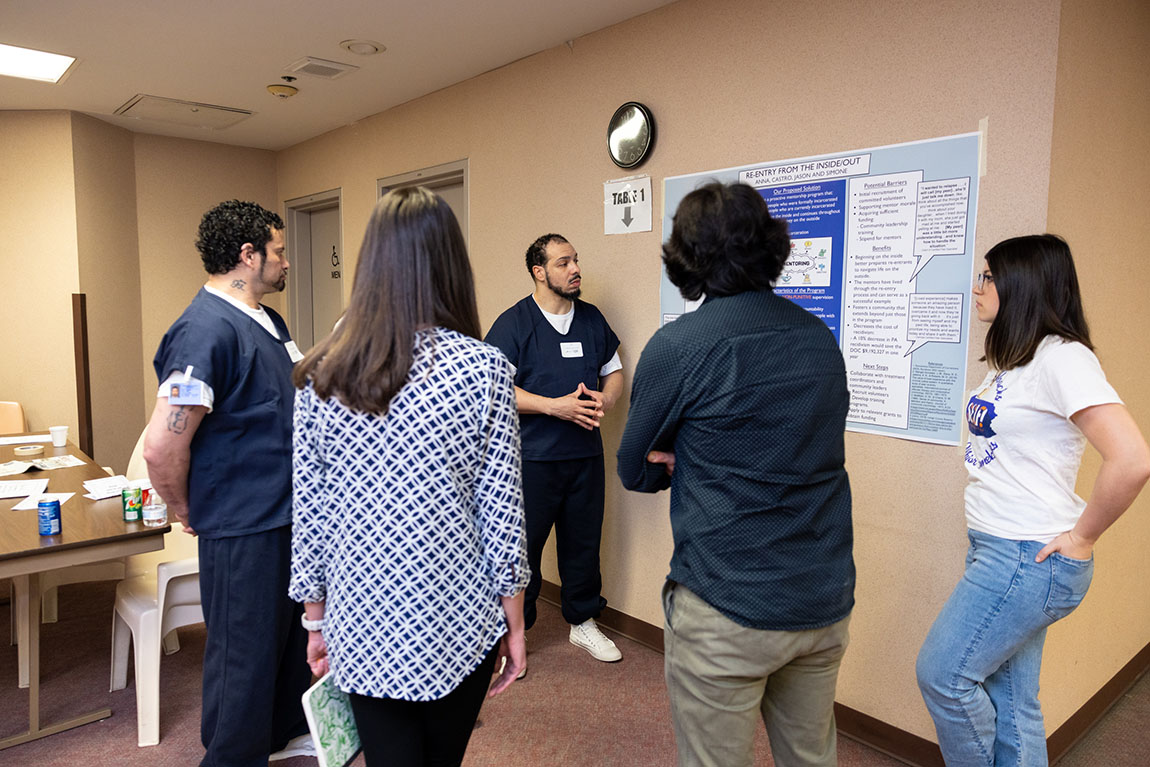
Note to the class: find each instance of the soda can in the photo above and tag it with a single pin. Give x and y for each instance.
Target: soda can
(48, 513)
(132, 499)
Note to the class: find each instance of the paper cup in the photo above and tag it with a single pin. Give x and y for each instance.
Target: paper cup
(59, 435)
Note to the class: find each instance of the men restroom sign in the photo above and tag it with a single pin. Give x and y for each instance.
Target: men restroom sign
(627, 205)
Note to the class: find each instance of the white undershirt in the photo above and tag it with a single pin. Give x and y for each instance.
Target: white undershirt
(259, 314)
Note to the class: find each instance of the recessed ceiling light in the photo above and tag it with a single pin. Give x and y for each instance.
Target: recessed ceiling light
(33, 65)
(363, 47)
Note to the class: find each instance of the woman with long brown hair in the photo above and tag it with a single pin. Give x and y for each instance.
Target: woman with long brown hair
(1030, 559)
(407, 540)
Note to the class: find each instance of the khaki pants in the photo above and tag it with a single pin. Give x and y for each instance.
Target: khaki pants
(722, 677)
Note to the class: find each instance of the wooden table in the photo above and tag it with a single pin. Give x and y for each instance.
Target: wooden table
(91, 531)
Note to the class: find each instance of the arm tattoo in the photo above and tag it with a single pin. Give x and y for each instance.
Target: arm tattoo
(238, 284)
(178, 420)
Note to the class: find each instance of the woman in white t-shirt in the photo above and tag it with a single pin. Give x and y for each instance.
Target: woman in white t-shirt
(1030, 559)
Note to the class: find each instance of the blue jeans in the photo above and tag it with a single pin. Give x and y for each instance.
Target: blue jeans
(978, 668)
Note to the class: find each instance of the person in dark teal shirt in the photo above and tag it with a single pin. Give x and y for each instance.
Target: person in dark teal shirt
(740, 409)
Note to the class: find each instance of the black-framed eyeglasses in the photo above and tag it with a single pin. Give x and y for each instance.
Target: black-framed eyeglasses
(980, 280)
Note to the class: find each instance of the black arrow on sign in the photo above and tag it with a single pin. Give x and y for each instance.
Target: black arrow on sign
(627, 216)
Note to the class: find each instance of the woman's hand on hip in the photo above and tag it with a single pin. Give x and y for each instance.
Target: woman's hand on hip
(1068, 545)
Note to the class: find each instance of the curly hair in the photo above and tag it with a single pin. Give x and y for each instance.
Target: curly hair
(724, 241)
(537, 251)
(227, 227)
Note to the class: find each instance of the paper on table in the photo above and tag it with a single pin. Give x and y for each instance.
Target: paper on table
(105, 487)
(56, 462)
(31, 501)
(19, 488)
(14, 467)
(25, 439)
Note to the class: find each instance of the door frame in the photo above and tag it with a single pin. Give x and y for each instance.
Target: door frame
(436, 175)
(298, 241)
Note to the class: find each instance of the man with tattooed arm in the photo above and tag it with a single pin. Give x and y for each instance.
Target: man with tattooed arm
(218, 449)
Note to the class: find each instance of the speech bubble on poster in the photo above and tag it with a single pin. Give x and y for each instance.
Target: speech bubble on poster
(933, 318)
(940, 226)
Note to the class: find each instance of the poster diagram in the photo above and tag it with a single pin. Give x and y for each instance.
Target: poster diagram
(809, 264)
(881, 251)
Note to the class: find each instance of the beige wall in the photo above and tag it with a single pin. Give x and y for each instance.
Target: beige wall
(1099, 187)
(177, 181)
(109, 267)
(38, 259)
(733, 82)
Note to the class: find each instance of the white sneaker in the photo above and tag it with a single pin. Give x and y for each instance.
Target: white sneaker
(588, 636)
(301, 745)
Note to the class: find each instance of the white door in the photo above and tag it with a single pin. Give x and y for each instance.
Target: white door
(454, 195)
(326, 272)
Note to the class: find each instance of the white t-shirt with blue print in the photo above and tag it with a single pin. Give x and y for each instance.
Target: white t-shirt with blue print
(1023, 452)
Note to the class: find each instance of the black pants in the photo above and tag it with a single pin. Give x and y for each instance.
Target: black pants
(566, 495)
(429, 733)
(255, 664)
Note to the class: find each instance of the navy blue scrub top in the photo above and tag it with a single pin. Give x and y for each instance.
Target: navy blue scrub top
(239, 480)
(549, 364)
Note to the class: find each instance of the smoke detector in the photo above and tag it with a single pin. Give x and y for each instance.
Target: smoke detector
(282, 91)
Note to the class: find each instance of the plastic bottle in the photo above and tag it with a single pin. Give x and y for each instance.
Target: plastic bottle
(155, 512)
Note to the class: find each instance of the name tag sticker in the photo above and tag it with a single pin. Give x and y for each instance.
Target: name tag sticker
(571, 349)
(293, 352)
(186, 393)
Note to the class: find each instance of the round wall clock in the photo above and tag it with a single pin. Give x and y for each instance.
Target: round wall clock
(630, 135)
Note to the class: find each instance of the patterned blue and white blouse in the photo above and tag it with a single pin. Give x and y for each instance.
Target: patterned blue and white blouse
(410, 525)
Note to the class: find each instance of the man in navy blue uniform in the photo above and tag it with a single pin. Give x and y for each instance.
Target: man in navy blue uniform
(739, 407)
(567, 375)
(218, 449)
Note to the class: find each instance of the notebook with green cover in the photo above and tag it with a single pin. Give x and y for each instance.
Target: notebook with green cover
(332, 725)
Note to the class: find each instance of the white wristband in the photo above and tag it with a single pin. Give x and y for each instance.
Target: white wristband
(318, 625)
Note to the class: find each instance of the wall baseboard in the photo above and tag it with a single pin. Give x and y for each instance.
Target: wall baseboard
(886, 738)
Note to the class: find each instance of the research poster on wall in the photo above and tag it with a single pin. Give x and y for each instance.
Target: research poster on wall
(882, 246)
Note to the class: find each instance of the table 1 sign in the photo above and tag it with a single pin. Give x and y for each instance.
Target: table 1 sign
(627, 205)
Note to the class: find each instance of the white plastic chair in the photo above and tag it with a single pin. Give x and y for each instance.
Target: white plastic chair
(156, 598)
